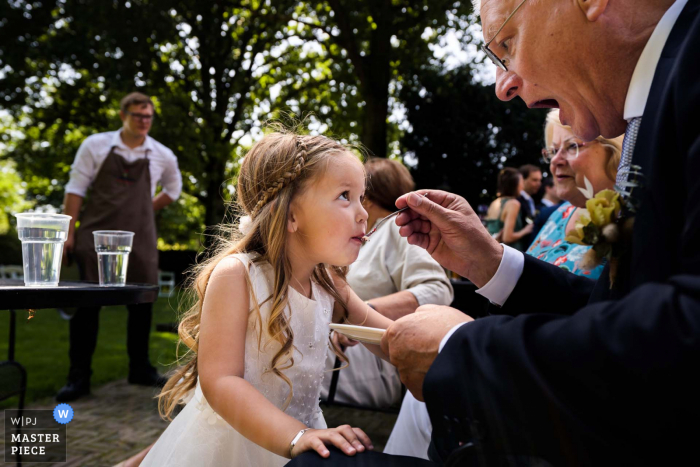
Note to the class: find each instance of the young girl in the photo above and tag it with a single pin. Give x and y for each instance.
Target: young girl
(259, 329)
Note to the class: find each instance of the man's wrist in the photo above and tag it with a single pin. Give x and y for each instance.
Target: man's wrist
(449, 334)
(485, 267)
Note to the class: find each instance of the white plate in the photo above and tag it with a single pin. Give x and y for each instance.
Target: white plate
(359, 333)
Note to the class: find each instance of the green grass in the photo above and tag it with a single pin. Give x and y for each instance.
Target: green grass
(42, 347)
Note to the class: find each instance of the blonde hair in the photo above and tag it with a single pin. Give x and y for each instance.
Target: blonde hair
(613, 147)
(274, 171)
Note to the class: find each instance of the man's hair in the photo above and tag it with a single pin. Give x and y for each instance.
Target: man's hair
(527, 169)
(388, 180)
(508, 182)
(135, 98)
(548, 182)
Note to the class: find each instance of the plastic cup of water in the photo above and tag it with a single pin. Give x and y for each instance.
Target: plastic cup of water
(42, 237)
(113, 247)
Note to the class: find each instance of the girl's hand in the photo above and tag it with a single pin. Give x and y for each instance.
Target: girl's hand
(346, 438)
(343, 341)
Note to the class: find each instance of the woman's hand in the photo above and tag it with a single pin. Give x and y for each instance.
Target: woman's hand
(346, 438)
(447, 227)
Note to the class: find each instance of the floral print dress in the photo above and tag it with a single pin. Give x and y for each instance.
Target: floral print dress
(551, 247)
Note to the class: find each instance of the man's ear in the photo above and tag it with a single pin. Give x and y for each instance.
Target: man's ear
(122, 115)
(593, 8)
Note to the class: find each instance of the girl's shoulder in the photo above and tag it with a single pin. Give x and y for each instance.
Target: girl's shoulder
(246, 263)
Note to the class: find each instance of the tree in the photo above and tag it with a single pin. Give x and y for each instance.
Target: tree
(382, 40)
(208, 64)
(462, 135)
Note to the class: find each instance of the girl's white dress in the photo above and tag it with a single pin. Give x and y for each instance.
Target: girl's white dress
(199, 436)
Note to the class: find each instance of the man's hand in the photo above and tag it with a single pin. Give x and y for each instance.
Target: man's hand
(448, 228)
(413, 341)
(68, 248)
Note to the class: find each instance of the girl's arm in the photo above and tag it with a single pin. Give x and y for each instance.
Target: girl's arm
(359, 313)
(512, 210)
(220, 363)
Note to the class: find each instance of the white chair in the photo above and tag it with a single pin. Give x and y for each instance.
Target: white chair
(11, 272)
(166, 283)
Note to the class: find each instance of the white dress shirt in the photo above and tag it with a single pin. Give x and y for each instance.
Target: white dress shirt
(92, 153)
(499, 288)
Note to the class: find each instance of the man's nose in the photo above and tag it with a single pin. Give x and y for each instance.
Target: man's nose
(508, 84)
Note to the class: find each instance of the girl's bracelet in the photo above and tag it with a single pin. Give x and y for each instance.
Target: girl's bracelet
(296, 440)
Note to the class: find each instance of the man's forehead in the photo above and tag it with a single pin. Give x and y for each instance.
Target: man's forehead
(137, 107)
(493, 15)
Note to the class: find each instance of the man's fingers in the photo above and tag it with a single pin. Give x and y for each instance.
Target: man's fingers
(384, 343)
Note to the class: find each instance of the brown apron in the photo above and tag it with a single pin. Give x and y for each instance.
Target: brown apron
(120, 199)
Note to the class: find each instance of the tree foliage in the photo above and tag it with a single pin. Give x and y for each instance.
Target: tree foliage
(219, 69)
(475, 136)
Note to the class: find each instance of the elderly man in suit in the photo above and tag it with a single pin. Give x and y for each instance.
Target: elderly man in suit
(602, 373)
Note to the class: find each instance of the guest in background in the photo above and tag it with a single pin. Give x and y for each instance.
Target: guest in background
(503, 219)
(532, 182)
(394, 278)
(550, 202)
(550, 197)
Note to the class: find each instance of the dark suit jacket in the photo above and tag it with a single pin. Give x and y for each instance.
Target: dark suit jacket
(598, 377)
(526, 214)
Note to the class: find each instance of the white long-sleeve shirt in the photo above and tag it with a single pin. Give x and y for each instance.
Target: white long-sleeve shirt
(93, 151)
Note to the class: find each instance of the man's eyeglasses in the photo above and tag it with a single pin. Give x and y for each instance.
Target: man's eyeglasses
(489, 53)
(140, 117)
(570, 147)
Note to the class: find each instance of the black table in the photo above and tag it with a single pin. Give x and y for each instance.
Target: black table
(15, 296)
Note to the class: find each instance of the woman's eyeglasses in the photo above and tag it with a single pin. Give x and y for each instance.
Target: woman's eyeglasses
(570, 148)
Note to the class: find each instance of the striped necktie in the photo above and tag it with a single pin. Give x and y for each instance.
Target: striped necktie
(627, 150)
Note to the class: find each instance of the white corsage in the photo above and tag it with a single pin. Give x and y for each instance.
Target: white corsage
(245, 223)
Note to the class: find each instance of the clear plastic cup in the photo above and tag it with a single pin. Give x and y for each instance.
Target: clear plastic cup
(113, 247)
(42, 237)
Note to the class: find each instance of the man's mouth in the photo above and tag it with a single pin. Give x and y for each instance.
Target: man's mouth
(544, 104)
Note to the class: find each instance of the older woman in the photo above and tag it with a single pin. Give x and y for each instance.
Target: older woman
(393, 277)
(571, 161)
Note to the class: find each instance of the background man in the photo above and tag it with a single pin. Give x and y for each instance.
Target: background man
(118, 171)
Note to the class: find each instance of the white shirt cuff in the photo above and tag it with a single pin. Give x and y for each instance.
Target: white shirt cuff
(499, 288)
(449, 334)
